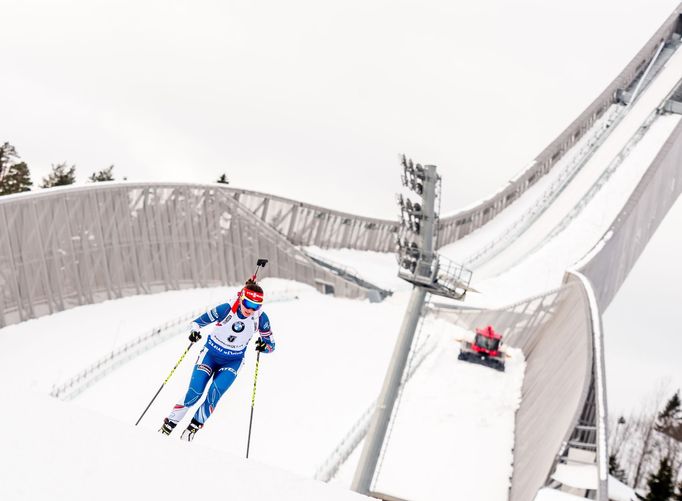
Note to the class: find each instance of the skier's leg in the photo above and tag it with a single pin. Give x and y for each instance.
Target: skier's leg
(203, 370)
(223, 379)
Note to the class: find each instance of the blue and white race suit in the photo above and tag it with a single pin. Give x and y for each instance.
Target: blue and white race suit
(221, 357)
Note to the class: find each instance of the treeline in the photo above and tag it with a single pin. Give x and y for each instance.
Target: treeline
(15, 175)
(646, 450)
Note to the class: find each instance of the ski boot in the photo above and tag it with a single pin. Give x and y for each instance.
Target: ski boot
(189, 432)
(167, 426)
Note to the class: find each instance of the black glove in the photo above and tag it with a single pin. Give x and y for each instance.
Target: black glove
(194, 336)
(264, 346)
(260, 345)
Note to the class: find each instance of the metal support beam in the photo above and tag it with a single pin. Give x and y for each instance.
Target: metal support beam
(366, 468)
(389, 391)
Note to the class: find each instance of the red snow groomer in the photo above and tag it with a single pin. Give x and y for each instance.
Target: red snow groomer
(485, 349)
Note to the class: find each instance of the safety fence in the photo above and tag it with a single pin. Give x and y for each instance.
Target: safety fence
(66, 247)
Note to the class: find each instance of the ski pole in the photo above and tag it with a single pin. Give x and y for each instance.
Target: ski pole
(164, 383)
(259, 263)
(253, 403)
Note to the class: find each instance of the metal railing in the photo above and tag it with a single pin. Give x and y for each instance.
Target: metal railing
(599, 135)
(603, 178)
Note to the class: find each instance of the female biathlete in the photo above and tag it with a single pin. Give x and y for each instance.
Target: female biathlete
(222, 355)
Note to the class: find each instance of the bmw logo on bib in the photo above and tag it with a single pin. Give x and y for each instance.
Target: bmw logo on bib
(238, 326)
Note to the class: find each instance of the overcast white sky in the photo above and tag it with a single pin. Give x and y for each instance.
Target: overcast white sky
(307, 99)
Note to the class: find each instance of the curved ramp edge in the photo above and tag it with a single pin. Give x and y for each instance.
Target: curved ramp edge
(457, 225)
(553, 332)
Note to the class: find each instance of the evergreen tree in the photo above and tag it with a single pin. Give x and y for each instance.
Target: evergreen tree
(672, 408)
(614, 468)
(661, 483)
(103, 175)
(223, 179)
(61, 175)
(669, 420)
(17, 179)
(14, 175)
(8, 156)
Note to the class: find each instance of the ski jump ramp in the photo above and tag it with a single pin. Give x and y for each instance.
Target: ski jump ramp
(560, 334)
(564, 392)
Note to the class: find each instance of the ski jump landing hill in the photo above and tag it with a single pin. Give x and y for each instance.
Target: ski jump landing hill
(67, 247)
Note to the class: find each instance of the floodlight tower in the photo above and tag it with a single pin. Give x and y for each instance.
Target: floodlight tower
(421, 266)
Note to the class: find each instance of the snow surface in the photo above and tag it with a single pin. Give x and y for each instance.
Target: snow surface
(76, 454)
(547, 494)
(378, 268)
(455, 421)
(323, 375)
(70, 340)
(584, 476)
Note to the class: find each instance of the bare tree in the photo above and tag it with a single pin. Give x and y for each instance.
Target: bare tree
(619, 432)
(637, 445)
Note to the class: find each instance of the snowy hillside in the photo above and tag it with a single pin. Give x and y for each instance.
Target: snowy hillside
(327, 370)
(55, 450)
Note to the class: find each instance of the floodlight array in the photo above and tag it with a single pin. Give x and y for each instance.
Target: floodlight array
(411, 214)
(410, 238)
(413, 176)
(418, 261)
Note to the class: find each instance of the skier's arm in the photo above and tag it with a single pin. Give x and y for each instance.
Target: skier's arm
(212, 315)
(265, 342)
